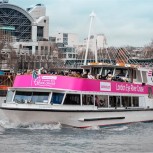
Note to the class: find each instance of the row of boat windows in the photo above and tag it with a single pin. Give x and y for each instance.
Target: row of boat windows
(73, 99)
(116, 74)
(120, 74)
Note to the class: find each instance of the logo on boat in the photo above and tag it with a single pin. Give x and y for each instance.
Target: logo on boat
(105, 86)
(45, 80)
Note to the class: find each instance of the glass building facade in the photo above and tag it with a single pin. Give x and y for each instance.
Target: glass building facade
(17, 19)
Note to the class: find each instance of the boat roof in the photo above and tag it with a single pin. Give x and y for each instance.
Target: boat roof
(99, 65)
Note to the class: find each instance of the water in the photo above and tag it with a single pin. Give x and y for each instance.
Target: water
(46, 139)
(37, 138)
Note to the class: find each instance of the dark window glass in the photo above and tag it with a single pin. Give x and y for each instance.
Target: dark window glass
(40, 97)
(87, 99)
(57, 98)
(112, 101)
(150, 93)
(40, 32)
(36, 47)
(126, 101)
(65, 35)
(72, 99)
(135, 101)
(42, 47)
(46, 48)
(22, 97)
(3, 93)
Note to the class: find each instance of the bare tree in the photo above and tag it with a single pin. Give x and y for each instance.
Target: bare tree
(7, 54)
(148, 51)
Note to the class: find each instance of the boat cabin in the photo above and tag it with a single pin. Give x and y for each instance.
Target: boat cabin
(62, 98)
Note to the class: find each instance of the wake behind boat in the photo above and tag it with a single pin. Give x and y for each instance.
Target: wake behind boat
(120, 95)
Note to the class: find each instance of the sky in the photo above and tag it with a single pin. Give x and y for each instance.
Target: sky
(123, 22)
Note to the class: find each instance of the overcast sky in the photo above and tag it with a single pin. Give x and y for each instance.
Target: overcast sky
(124, 22)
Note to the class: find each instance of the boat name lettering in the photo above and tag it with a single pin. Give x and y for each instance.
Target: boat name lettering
(45, 80)
(129, 88)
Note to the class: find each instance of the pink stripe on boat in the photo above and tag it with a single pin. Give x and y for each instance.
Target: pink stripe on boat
(78, 84)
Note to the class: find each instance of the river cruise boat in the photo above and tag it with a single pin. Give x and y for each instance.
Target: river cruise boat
(120, 94)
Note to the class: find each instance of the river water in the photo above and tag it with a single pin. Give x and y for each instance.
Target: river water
(37, 138)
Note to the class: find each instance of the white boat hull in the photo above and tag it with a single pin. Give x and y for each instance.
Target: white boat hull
(76, 117)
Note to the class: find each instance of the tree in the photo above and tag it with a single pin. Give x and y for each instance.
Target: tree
(8, 56)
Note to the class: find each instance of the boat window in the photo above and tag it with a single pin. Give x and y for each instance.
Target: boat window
(9, 96)
(134, 74)
(117, 101)
(144, 76)
(22, 97)
(40, 97)
(114, 101)
(126, 101)
(135, 101)
(106, 74)
(3, 93)
(129, 75)
(150, 93)
(139, 79)
(57, 98)
(72, 99)
(107, 70)
(121, 72)
(88, 99)
(101, 100)
(104, 100)
(96, 71)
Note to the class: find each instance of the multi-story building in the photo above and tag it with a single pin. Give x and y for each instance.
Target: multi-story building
(66, 43)
(68, 39)
(23, 29)
(96, 42)
(67, 54)
(101, 41)
(26, 27)
(41, 22)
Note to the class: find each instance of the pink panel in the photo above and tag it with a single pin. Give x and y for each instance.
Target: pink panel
(73, 83)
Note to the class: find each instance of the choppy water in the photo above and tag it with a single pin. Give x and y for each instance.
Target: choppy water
(37, 138)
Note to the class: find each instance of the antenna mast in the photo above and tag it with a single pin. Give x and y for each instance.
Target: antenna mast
(92, 15)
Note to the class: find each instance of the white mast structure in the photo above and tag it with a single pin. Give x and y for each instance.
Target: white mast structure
(92, 15)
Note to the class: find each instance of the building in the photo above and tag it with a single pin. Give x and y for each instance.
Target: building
(41, 22)
(96, 42)
(101, 41)
(67, 54)
(66, 43)
(26, 27)
(68, 39)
